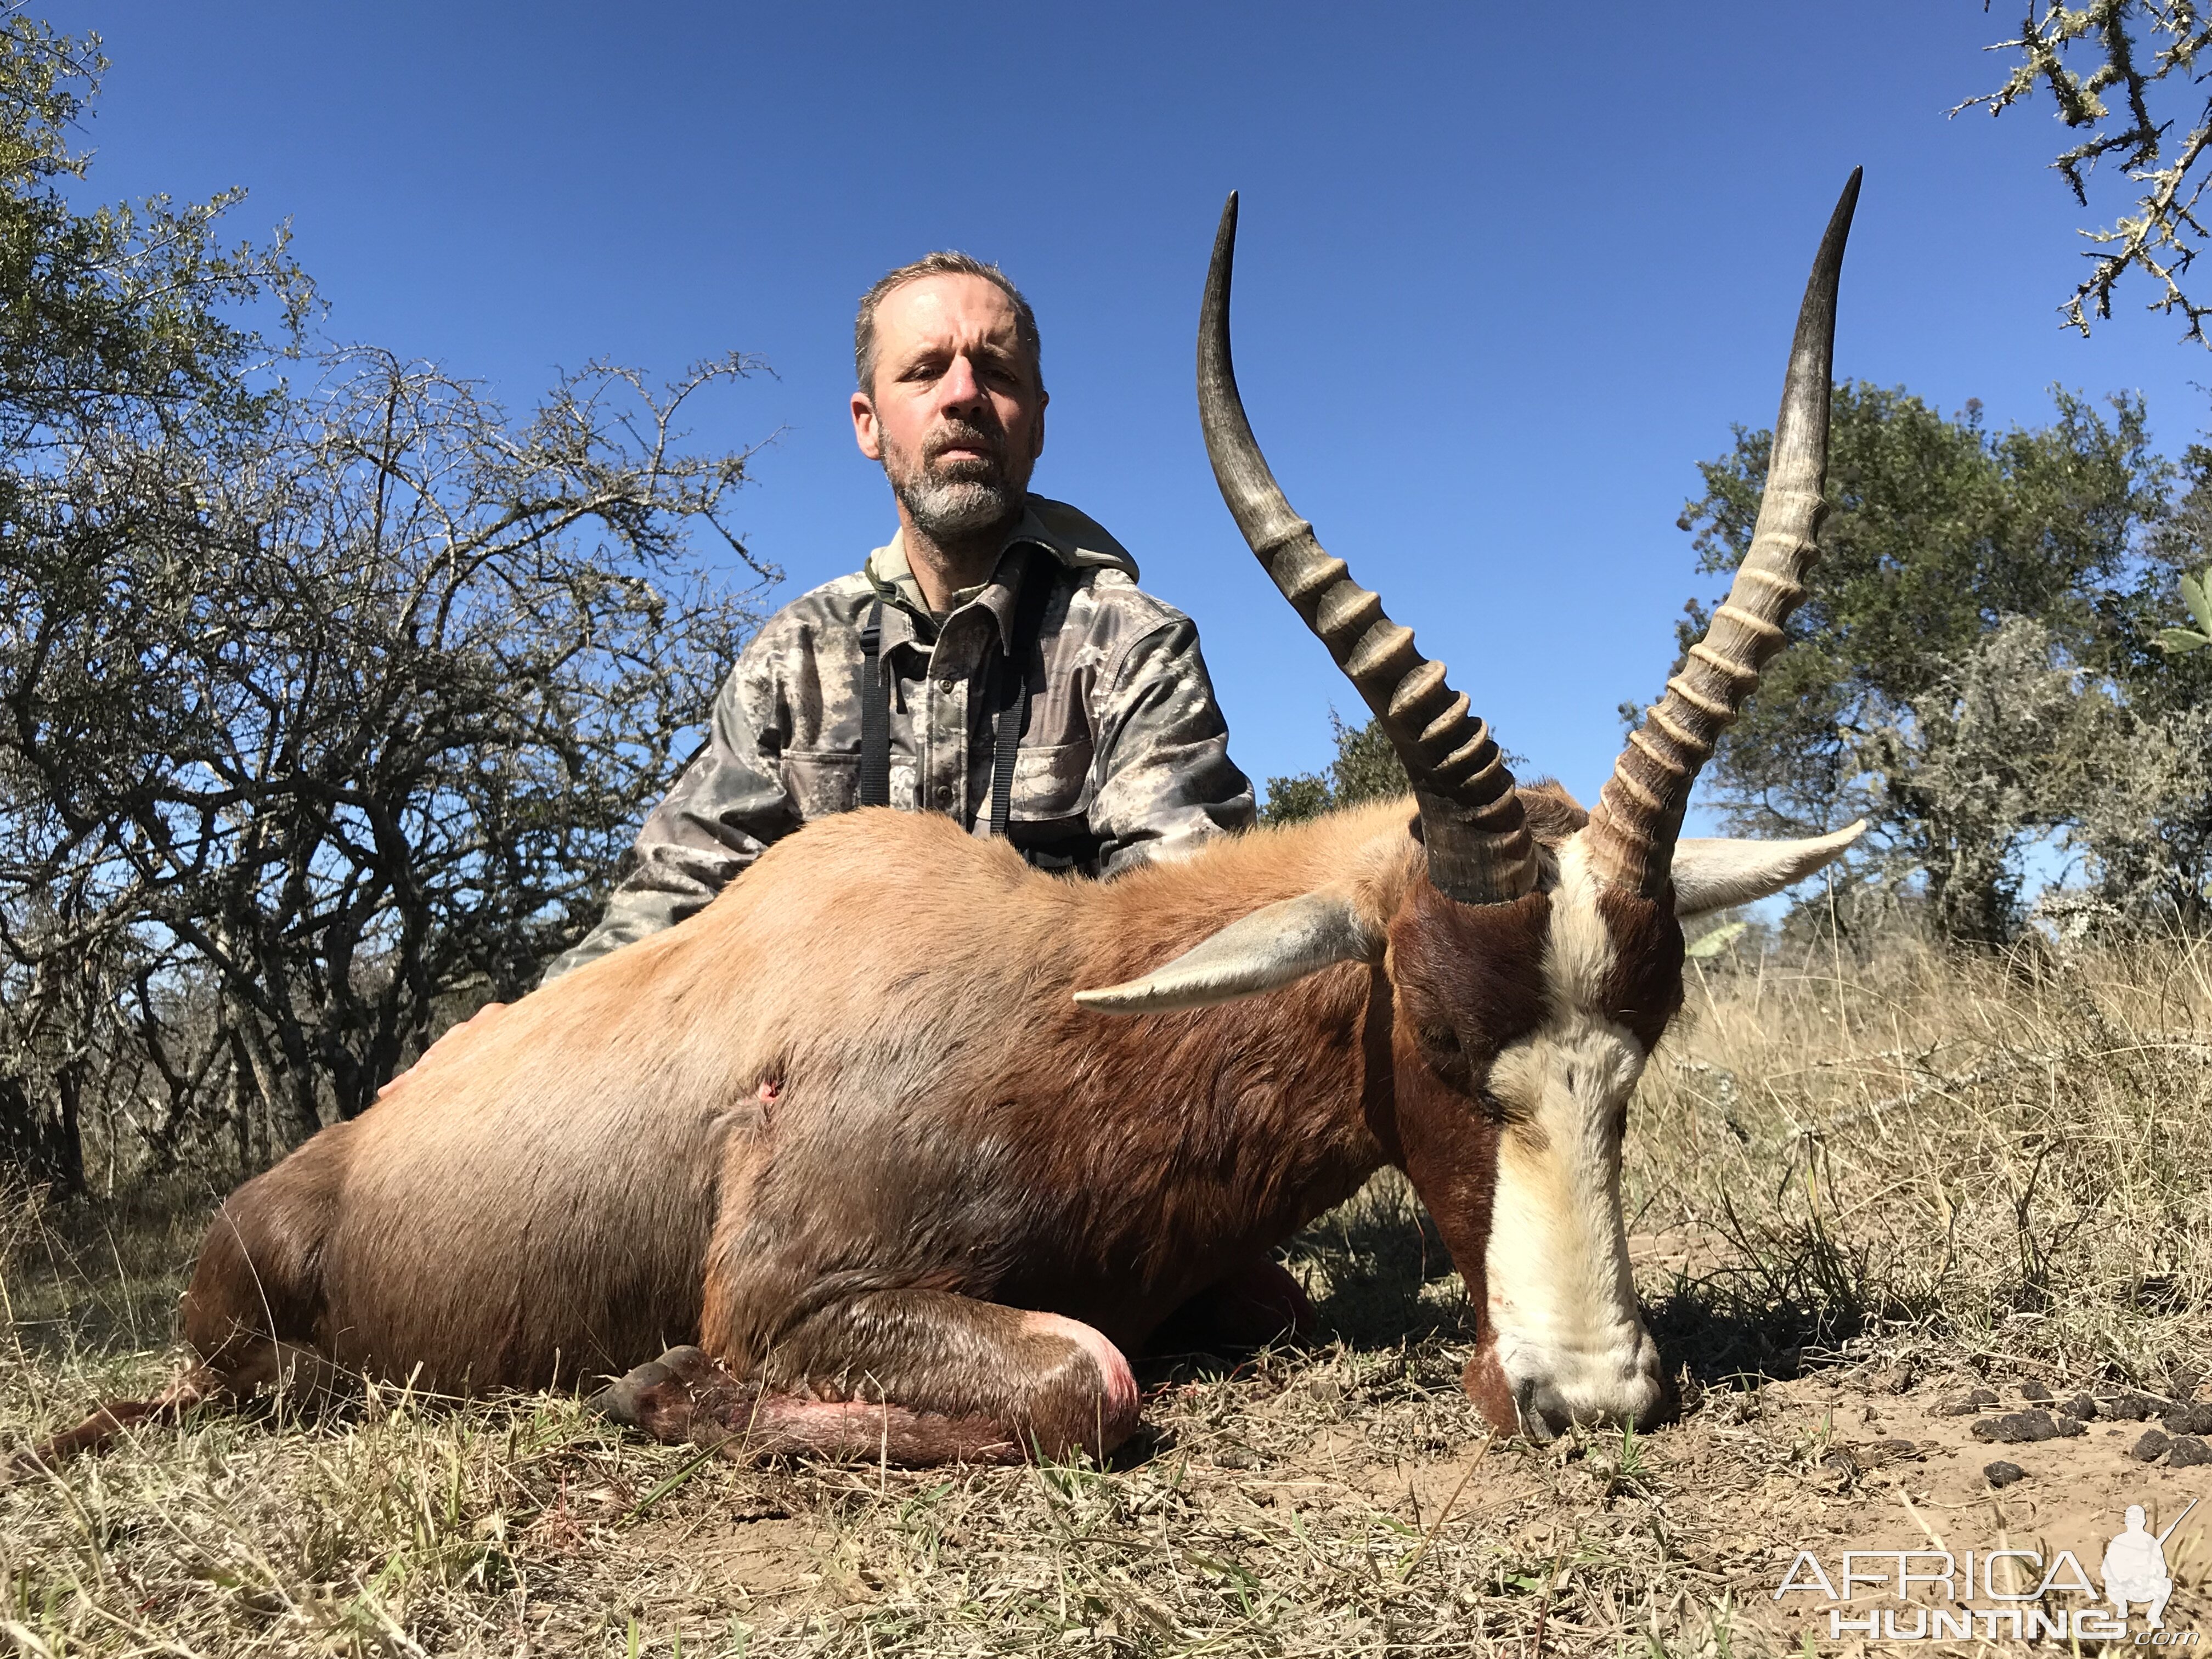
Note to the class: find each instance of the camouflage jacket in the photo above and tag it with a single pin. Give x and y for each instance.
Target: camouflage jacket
(1125, 757)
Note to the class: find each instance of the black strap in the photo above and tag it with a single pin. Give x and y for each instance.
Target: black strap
(875, 712)
(1008, 722)
(1006, 734)
(1012, 718)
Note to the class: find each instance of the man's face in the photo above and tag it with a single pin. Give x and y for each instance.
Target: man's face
(956, 415)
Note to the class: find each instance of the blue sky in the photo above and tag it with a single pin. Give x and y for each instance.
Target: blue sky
(1501, 282)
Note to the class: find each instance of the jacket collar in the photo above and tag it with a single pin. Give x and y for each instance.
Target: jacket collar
(1062, 532)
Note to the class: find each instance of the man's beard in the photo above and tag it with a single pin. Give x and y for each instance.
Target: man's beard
(959, 503)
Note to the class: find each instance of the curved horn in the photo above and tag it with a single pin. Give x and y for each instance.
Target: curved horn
(1638, 815)
(1479, 848)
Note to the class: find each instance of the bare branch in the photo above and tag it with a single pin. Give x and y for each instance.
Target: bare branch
(2161, 237)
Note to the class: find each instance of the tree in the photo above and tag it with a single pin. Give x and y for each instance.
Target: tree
(2124, 73)
(1366, 768)
(1908, 696)
(323, 709)
(2146, 831)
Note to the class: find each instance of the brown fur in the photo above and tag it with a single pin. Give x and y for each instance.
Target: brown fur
(1643, 991)
(1466, 990)
(1553, 814)
(811, 1130)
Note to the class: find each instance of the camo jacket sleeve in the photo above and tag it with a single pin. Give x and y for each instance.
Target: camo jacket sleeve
(1165, 782)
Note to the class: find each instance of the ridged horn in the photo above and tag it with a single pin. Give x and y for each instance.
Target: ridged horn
(1479, 848)
(1638, 815)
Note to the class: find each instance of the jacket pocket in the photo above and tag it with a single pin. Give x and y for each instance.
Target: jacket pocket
(821, 782)
(1052, 782)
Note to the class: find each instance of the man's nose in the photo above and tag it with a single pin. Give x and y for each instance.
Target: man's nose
(960, 388)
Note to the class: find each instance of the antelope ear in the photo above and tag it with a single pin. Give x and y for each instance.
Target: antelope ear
(1272, 947)
(1712, 875)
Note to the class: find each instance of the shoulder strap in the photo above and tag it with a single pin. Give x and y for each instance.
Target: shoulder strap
(1012, 718)
(875, 712)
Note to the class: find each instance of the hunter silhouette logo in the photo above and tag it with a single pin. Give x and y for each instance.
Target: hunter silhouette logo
(1941, 1594)
(2135, 1567)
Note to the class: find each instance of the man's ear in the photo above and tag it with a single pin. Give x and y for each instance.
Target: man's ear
(865, 431)
(1272, 947)
(1712, 875)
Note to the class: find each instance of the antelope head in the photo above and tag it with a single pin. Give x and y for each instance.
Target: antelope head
(1532, 952)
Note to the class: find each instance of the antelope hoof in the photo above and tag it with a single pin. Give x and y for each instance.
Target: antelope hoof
(656, 1398)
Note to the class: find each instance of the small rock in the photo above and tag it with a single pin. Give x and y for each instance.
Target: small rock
(1967, 1404)
(1234, 1457)
(2150, 1448)
(2068, 1426)
(2189, 1451)
(2131, 1407)
(2184, 1382)
(2035, 1393)
(2188, 1419)
(2002, 1473)
(2016, 1428)
(2081, 1405)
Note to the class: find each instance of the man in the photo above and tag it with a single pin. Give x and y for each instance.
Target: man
(988, 598)
(1122, 755)
(1020, 682)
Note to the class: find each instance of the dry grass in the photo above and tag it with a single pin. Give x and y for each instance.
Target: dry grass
(2012, 1157)
(1912, 1168)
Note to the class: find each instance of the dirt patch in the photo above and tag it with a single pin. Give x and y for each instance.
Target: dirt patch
(1890, 1471)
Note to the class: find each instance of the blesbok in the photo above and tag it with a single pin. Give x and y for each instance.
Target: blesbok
(915, 1190)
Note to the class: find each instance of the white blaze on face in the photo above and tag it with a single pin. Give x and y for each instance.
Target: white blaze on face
(1562, 1300)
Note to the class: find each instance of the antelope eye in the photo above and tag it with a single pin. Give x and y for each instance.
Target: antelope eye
(1446, 1055)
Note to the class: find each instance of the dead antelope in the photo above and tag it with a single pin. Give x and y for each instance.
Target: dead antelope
(915, 1192)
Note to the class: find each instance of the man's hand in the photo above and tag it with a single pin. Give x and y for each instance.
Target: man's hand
(457, 1039)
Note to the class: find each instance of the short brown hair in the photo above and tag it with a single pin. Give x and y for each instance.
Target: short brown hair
(943, 262)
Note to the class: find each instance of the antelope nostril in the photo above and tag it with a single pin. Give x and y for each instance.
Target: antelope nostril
(1547, 1410)
(1536, 1415)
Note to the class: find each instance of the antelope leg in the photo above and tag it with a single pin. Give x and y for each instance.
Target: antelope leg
(914, 1377)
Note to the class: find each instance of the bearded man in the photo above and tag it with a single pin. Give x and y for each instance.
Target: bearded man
(995, 660)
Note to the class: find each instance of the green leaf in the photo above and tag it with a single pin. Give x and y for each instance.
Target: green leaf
(2179, 641)
(2196, 594)
(1709, 945)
